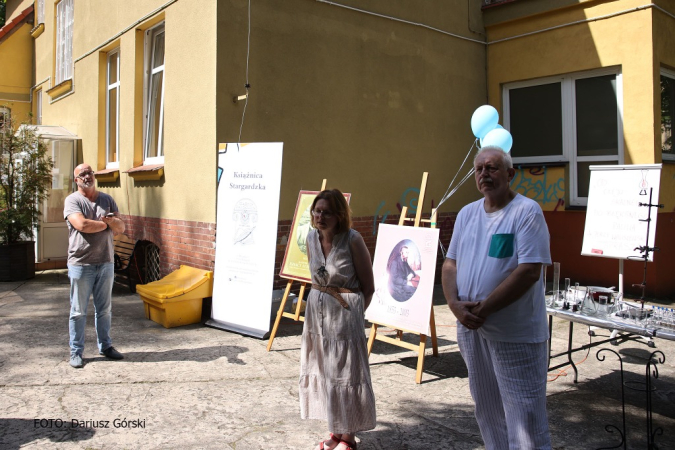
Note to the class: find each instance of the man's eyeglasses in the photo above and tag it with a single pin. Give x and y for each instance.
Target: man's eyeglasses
(325, 214)
(490, 169)
(85, 174)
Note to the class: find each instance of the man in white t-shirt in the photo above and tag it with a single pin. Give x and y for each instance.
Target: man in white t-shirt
(492, 281)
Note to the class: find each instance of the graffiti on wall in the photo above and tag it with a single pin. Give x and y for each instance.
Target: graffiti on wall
(544, 185)
(409, 198)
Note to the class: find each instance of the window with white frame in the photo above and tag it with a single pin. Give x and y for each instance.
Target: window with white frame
(38, 107)
(575, 119)
(40, 11)
(667, 114)
(64, 41)
(5, 116)
(154, 96)
(112, 110)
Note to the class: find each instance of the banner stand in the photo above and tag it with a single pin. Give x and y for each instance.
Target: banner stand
(247, 214)
(234, 328)
(298, 307)
(421, 347)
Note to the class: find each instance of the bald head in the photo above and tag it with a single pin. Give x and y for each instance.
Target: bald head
(84, 177)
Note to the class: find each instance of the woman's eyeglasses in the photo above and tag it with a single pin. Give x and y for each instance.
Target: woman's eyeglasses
(325, 214)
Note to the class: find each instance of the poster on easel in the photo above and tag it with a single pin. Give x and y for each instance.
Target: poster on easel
(249, 183)
(295, 264)
(404, 269)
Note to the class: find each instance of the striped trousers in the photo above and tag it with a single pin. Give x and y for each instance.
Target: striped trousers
(508, 384)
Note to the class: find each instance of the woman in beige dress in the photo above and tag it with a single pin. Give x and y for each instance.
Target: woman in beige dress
(334, 373)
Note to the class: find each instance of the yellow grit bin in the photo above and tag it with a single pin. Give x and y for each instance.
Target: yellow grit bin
(176, 299)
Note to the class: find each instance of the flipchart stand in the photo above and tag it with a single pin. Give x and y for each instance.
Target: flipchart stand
(398, 341)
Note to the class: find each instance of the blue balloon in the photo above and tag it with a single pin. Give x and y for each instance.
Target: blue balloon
(484, 119)
(481, 140)
(498, 137)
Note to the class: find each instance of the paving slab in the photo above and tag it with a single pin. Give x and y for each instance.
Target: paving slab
(195, 387)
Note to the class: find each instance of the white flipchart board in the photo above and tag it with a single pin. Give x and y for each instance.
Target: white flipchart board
(615, 222)
(614, 217)
(246, 237)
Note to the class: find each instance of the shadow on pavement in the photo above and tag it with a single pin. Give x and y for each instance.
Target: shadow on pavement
(25, 431)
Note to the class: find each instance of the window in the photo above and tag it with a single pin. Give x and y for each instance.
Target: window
(667, 114)
(154, 96)
(38, 107)
(5, 115)
(40, 11)
(64, 41)
(112, 112)
(574, 119)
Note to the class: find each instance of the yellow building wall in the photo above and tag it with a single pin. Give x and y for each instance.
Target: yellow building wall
(16, 75)
(187, 190)
(623, 41)
(664, 57)
(628, 34)
(366, 102)
(15, 7)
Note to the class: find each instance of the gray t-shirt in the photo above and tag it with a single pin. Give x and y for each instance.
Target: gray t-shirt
(89, 248)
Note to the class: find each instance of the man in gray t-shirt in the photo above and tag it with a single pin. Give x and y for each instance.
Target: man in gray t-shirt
(92, 218)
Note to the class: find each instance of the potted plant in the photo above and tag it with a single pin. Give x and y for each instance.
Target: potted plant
(25, 179)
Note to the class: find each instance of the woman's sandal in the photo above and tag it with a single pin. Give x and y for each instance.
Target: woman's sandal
(332, 438)
(348, 445)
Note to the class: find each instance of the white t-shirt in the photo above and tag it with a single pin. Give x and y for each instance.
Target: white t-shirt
(487, 248)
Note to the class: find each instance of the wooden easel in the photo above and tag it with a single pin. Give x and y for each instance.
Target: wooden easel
(421, 347)
(298, 307)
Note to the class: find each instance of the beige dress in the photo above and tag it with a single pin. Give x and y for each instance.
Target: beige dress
(334, 373)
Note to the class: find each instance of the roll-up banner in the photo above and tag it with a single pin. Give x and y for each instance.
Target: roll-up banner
(249, 183)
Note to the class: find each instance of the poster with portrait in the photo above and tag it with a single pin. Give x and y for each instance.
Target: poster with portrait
(404, 270)
(249, 183)
(295, 265)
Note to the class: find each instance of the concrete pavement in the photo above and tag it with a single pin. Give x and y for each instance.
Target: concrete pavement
(195, 387)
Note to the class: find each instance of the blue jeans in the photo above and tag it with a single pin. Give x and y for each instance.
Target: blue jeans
(96, 279)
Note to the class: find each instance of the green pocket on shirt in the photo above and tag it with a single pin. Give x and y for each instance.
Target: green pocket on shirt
(501, 246)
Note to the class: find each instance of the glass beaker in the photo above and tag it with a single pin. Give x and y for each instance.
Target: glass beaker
(566, 297)
(602, 305)
(556, 283)
(588, 306)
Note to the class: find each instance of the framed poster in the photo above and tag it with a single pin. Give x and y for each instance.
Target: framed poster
(246, 233)
(404, 270)
(295, 265)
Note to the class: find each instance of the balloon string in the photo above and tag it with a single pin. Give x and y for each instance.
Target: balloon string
(448, 195)
(445, 195)
(466, 177)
